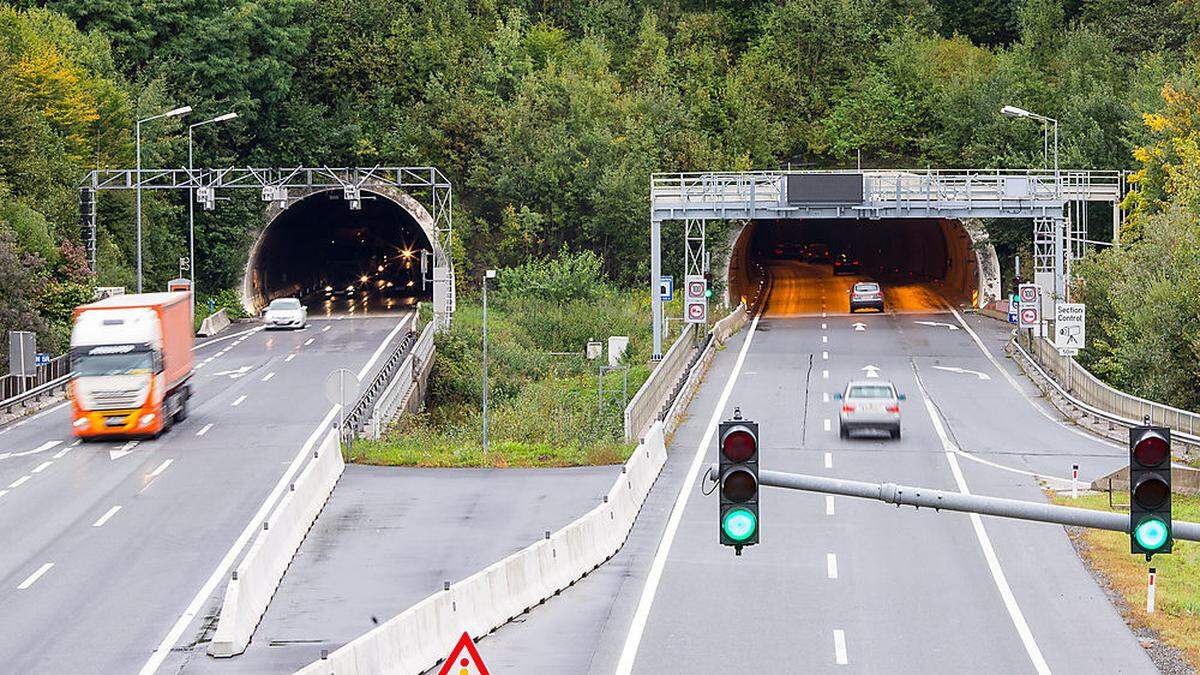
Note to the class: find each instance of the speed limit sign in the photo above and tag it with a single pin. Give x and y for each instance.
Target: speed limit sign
(695, 301)
(1031, 306)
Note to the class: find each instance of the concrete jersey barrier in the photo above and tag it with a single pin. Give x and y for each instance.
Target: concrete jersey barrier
(258, 575)
(214, 323)
(417, 638)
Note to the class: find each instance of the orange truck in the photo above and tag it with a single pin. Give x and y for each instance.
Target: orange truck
(131, 365)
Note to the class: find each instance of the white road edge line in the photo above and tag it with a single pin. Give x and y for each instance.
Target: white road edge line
(831, 565)
(107, 514)
(829, 505)
(839, 647)
(204, 430)
(35, 576)
(163, 650)
(985, 542)
(161, 468)
(637, 627)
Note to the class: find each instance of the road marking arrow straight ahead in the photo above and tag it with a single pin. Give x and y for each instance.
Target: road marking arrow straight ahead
(963, 371)
(123, 450)
(859, 326)
(235, 374)
(872, 371)
(937, 323)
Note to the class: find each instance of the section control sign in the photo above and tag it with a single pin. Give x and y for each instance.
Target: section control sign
(1069, 328)
(695, 302)
(1030, 312)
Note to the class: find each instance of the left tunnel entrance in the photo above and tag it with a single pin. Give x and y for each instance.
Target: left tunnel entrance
(338, 260)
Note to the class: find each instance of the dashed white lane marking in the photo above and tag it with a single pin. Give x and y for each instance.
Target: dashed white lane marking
(828, 424)
(829, 505)
(829, 460)
(77, 442)
(161, 468)
(326, 328)
(19, 482)
(985, 543)
(824, 397)
(831, 565)
(268, 376)
(29, 581)
(308, 342)
(107, 514)
(637, 627)
(43, 466)
(204, 430)
(824, 374)
(62, 453)
(825, 356)
(824, 326)
(839, 647)
(239, 400)
(3, 492)
(289, 358)
(224, 351)
(824, 339)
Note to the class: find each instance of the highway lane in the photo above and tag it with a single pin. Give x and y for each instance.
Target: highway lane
(124, 542)
(842, 584)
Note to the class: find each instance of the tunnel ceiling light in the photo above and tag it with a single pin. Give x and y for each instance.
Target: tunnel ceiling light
(381, 268)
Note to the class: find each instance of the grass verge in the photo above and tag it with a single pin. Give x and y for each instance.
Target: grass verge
(1177, 598)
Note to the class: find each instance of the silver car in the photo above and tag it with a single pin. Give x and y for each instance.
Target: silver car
(870, 404)
(286, 313)
(866, 295)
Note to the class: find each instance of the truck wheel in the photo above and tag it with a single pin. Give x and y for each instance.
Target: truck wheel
(181, 413)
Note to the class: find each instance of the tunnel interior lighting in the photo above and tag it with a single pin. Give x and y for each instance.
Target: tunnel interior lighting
(363, 278)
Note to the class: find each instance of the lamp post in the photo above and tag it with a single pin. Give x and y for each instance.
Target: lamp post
(490, 274)
(1015, 112)
(192, 204)
(137, 132)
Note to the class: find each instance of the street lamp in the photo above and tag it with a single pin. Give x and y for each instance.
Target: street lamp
(192, 204)
(137, 132)
(490, 274)
(1015, 112)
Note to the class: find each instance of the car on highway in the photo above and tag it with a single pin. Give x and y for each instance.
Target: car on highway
(844, 264)
(285, 313)
(817, 253)
(869, 404)
(866, 295)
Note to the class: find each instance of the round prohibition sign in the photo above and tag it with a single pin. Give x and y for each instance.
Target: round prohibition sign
(1028, 294)
(1029, 315)
(696, 311)
(696, 289)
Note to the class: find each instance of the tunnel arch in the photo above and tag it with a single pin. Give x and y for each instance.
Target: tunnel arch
(290, 256)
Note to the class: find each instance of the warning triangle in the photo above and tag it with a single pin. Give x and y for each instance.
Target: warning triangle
(464, 664)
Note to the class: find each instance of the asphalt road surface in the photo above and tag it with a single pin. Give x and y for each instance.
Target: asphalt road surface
(109, 547)
(839, 584)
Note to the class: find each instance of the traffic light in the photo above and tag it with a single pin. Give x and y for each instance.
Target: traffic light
(708, 289)
(738, 471)
(1150, 490)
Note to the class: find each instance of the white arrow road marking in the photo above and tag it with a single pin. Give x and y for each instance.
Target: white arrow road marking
(964, 371)
(104, 518)
(29, 581)
(872, 371)
(41, 448)
(859, 326)
(937, 323)
(235, 374)
(123, 450)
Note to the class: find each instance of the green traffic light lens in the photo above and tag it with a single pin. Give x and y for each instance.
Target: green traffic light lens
(739, 524)
(708, 293)
(1151, 534)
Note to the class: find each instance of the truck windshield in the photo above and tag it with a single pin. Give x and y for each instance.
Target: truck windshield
(131, 363)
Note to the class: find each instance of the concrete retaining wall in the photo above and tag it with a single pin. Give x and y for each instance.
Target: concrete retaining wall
(416, 639)
(258, 575)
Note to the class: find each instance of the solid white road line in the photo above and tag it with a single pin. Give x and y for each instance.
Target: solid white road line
(831, 565)
(41, 448)
(161, 468)
(107, 514)
(839, 647)
(828, 424)
(19, 482)
(227, 337)
(29, 581)
(239, 400)
(633, 638)
(985, 542)
(42, 467)
(829, 460)
(204, 430)
(829, 505)
(308, 342)
(268, 376)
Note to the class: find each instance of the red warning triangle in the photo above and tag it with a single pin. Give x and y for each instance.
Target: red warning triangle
(469, 664)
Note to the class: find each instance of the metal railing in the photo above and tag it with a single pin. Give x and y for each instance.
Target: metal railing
(646, 403)
(356, 419)
(17, 390)
(1101, 400)
(398, 391)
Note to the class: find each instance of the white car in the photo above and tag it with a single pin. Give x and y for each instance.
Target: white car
(870, 404)
(286, 313)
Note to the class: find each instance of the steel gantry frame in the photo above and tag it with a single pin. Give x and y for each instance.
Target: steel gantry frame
(276, 185)
(1041, 196)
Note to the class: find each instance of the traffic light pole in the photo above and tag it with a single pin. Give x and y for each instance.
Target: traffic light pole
(904, 495)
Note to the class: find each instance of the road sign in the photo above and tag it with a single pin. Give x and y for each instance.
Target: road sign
(1030, 313)
(1014, 306)
(41, 359)
(469, 663)
(666, 289)
(695, 300)
(1069, 327)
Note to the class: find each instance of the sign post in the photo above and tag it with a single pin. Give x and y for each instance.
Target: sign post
(695, 300)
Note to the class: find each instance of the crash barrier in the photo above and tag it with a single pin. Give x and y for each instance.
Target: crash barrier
(214, 323)
(646, 405)
(689, 381)
(417, 638)
(258, 575)
(405, 389)
(21, 394)
(1084, 391)
(356, 419)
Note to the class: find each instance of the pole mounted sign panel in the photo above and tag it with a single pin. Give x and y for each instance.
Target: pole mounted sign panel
(695, 300)
(1069, 328)
(1030, 314)
(666, 289)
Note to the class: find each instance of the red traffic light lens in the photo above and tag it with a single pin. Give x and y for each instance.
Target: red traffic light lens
(739, 485)
(738, 445)
(1151, 493)
(1151, 449)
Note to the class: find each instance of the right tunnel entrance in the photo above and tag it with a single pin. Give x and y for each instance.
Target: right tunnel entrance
(921, 264)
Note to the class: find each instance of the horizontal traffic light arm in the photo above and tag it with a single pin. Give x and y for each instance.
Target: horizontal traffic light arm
(905, 495)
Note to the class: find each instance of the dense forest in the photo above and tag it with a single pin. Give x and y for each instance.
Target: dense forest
(549, 117)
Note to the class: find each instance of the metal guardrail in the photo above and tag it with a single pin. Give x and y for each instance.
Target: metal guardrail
(356, 419)
(1087, 392)
(643, 408)
(394, 395)
(16, 390)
